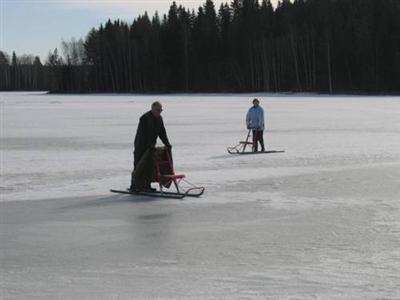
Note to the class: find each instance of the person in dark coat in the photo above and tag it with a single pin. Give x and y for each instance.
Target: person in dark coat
(151, 127)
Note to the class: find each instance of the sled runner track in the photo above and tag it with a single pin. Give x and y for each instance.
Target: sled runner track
(158, 194)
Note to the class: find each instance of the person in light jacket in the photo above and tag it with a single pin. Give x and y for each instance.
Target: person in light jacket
(255, 122)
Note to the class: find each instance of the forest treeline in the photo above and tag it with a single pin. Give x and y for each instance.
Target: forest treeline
(246, 45)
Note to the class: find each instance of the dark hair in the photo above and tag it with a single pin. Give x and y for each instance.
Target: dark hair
(255, 99)
(156, 104)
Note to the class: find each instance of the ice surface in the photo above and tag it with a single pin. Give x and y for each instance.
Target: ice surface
(321, 220)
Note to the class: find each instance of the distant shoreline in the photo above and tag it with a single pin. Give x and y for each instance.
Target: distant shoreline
(227, 93)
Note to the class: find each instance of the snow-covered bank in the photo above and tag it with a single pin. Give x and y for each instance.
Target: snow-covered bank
(321, 220)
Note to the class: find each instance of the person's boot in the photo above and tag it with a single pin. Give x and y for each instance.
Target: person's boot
(149, 189)
(132, 187)
(262, 146)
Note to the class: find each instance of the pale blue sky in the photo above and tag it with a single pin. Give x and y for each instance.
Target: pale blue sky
(36, 26)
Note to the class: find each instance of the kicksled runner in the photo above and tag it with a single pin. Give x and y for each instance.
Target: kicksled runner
(163, 173)
(247, 147)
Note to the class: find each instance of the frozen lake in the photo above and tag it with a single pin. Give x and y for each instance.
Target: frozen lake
(321, 220)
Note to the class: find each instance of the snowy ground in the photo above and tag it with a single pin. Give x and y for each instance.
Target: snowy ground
(319, 221)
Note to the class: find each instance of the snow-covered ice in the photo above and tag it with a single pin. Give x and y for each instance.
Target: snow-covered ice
(321, 220)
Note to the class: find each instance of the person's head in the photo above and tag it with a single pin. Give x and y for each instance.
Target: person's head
(156, 109)
(256, 102)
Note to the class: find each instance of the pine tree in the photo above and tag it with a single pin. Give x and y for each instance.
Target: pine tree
(301, 45)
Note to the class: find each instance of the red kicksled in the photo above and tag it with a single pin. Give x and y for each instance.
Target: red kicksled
(166, 178)
(247, 147)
